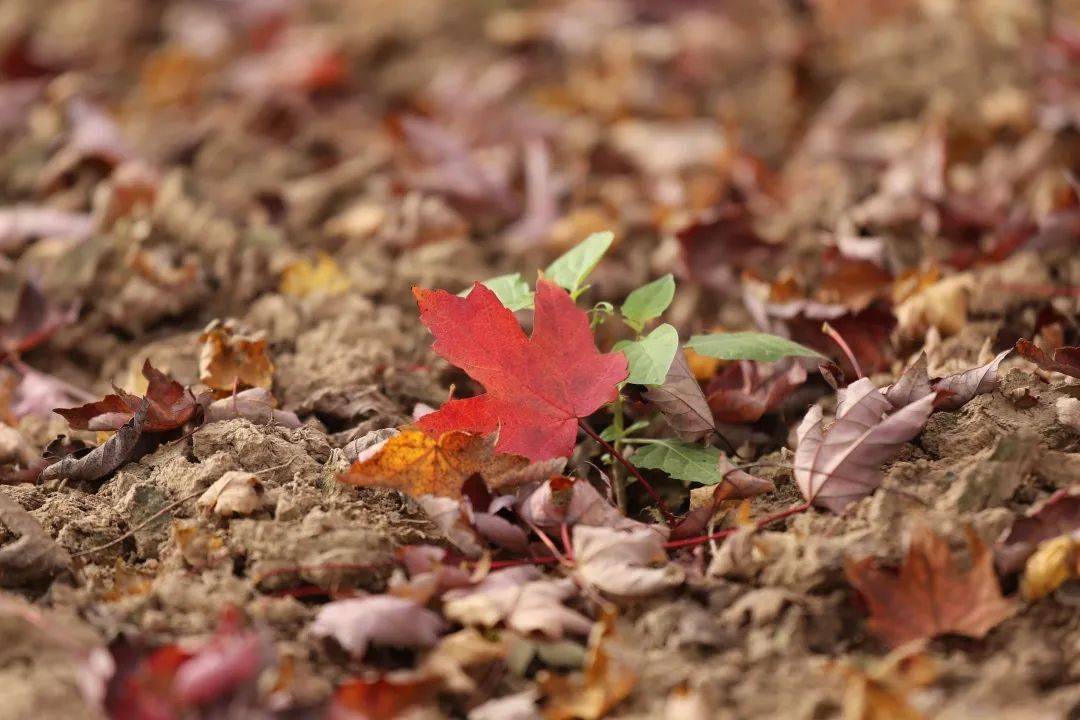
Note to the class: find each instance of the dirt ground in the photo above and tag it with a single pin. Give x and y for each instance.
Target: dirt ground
(298, 167)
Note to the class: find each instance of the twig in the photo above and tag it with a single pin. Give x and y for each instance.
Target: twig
(687, 542)
(839, 340)
(148, 521)
(632, 469)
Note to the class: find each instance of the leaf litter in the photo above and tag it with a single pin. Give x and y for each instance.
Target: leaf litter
(241, 218)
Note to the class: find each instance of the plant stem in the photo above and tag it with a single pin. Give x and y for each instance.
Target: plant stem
(632, 470)
(687, 542)
(839, 340)
(618, 482)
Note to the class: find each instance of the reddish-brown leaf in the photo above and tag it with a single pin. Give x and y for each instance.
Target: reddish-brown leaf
(537, 387)
(931, 595)
(1065, 360)
(170, 406)
(742, 393)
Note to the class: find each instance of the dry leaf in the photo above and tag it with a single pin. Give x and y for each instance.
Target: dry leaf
(592, 693)
(1057, 515)
(834, 468)
(625, 564)
(883, 690)
(33, 555)
(418, 464)
(931, 596)
(230, 360)
(456, 654)
(943, 305)
(1065, 360)
(170, 406)
(1052, 564)
(254, 405)
(106, 457)
(321, 276)
(682, 402)
(234, 493)
(380, 620)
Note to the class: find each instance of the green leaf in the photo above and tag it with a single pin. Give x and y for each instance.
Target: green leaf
(684, 461)
(608, 433)
(572, 268)
(651, 356)
(512, 290)
(748, 346)
(648, 301)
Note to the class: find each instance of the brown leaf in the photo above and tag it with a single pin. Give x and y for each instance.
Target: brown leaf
(1057, 515)
(954, 391)
(742, 393)
(931, 595)
(22, 224)
(1065, 360)
(35, 320)
(418, 464)
(682, 402)
(882, 690)
(106, 457)
(913, 384)
(230, 360)
(170, 406)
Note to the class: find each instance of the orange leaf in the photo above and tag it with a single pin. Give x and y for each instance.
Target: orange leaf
(591, 694)
(231, 360)
(418, 464)
(931, 596)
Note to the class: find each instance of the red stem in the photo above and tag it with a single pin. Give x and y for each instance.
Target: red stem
(687, 542)
(668, 517)
(839, 340)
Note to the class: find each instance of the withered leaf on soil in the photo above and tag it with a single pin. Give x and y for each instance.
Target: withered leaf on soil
(537, 387)
(682, 402)
(34, 321)
(106, 457)
(522, 599)
(931, 595)
(563, 500)
(418, 464)
(170, 406)
(1065, 360)
(624, 564)
(954, 391)
(742, 392)
(834, 468)
(255, 405)
(381, 698)
(1058, 515)
(231, 360)
(1055, 562)
(592, 693)
(378, 619)
(34, 555)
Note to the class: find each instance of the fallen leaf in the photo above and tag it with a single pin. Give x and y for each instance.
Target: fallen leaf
(381, 697)
(234, 493)
(521, 599)
(568, 501)
(321, 276)
(34, 555)
(1054, 562)
(519, 706)
(1065, 360)
(592, 693)
(106, 457)
(537, 387)
(743, 392)
(913, 384)
(34, 321)
(624, 564)
(682, 402)
(1057, 515)
(456, 654)
(417, 464)
(836, 467)
(720, 244)
(357, 623)
(255, 405)
(22, 224)
(954, 391)
(931, 595)
(170, 405)
(883, 690)
(230, 360)
(93, 136)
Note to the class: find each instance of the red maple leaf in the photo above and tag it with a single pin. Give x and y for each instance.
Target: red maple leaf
(537, 387)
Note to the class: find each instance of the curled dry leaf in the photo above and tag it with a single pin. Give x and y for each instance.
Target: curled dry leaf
(521, 599)
(954, 391)
(1065, 360)
(563, 500)
(255, 405)
(106, 457)
(234, 493)
(834, 468)
(230, 360)
(1058, 515)
(418, 464)
(537, 387)
(170, 405)
(682, 402)
(378, 619)
(33, 555)
(931, 595)
(625, 564)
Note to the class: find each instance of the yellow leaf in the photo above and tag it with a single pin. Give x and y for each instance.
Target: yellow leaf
(1052, 564)
(304, 277)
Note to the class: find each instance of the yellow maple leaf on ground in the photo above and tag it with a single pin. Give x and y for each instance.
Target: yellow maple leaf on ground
(306, 277)
(419, 464)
